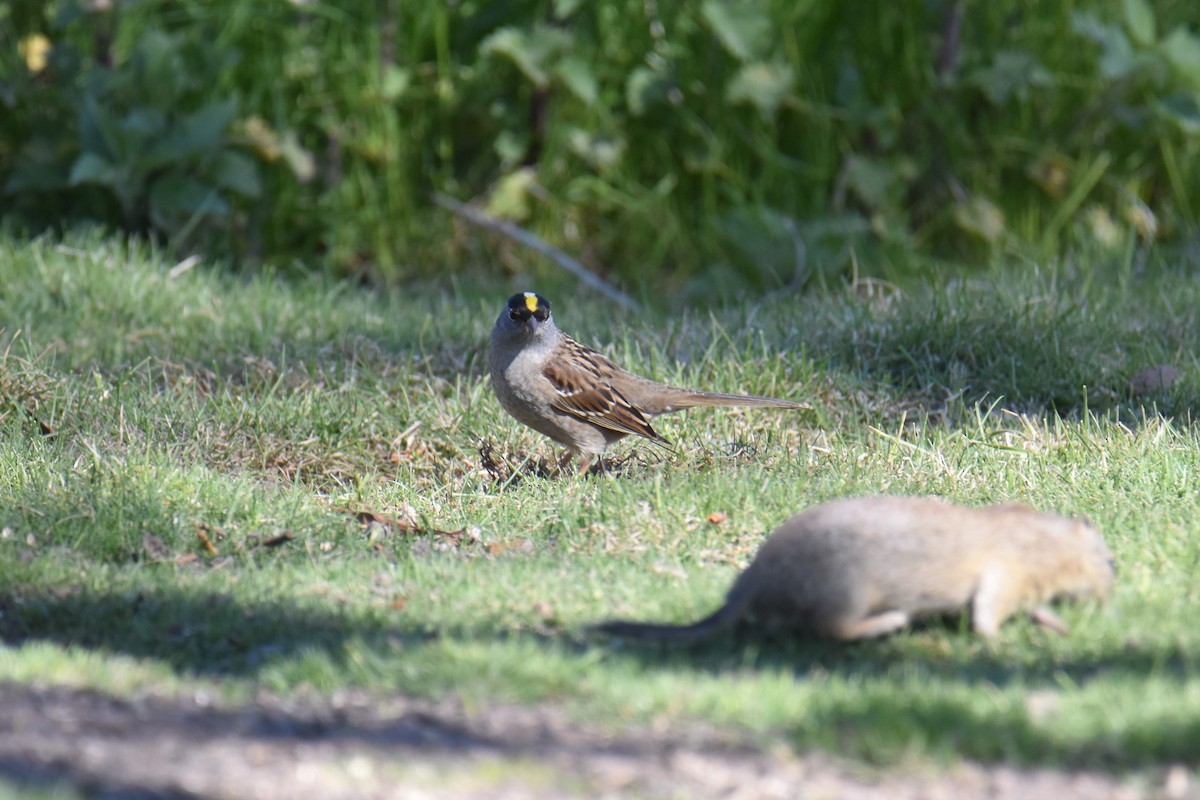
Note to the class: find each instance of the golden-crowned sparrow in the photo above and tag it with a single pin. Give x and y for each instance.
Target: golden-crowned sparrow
(573, 394)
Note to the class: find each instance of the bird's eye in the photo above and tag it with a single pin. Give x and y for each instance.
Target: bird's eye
(513, 314)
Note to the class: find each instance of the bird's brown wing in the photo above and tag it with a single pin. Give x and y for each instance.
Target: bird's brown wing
(582, 381)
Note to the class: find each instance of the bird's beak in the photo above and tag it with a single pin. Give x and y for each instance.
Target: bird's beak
(531, 325)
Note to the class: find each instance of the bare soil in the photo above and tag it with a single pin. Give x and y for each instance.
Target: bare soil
(354, 746)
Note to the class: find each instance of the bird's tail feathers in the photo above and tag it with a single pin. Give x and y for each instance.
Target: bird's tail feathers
(686, 398)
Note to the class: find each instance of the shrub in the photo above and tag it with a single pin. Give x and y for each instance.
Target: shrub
(738, 144)
(141, 141)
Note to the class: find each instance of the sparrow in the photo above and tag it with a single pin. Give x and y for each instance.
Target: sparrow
(576, 396)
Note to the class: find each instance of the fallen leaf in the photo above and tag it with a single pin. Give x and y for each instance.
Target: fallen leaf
(204, 540)
(277, 539)
(214, 531)
(717, 517)
(405, 522)
(369, 518)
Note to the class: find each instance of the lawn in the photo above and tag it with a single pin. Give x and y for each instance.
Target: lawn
(240, 485)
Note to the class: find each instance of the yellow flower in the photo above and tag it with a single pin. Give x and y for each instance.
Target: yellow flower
(34, 48)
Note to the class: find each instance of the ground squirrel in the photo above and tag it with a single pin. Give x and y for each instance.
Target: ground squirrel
(868, 566)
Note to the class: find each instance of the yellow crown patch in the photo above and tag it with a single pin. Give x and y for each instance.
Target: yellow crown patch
(531, 301)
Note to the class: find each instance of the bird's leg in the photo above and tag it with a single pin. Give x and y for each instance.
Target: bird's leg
(581, 466)
(585, 461)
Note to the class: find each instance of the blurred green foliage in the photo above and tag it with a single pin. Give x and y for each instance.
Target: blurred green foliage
(140, 142)
(695, 147)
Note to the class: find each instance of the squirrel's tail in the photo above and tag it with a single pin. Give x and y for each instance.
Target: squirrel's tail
(722, 618)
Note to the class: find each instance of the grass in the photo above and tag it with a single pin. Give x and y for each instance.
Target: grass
(163, 433)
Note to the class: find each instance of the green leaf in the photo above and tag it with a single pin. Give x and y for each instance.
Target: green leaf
(38, 176)
(1139, 21)
(175, 198)
(848, 225)
(396, 81)
(192, 135)
(565, 8)
(601, 152)
(871, 180)
(144, 124)
(980, 217)
(579, 79)
(511, 147)
(206, 126)
(238, 173)
(703, 152)
(765, 86)
(850, 93)
(1182, 50)
(531, 51)
(1012, 72)
(158, 68)
(512, 195)
(764, 242)
(1181, 110)
(99, 129)
(158, 51)
(644, 88)
(742, 26)
(92, 168)
(1117, 59)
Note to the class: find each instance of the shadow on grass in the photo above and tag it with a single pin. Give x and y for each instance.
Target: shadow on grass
(879, 660)
(216, 635)
(882, 724)
(200, 633)
(1039, 348)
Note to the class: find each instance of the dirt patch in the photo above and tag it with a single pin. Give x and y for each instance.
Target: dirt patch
(354, 746)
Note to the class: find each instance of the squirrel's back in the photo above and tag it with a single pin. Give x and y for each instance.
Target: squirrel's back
(832, 568)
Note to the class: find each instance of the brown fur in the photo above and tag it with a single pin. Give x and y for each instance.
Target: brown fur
(868, 566)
